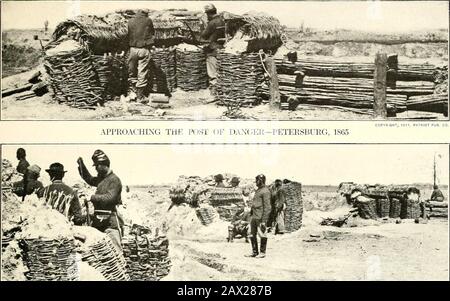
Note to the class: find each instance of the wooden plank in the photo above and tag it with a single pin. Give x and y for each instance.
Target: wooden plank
(275, 98)
(379, 104)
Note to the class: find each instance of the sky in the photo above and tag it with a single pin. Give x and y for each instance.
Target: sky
(374, 16)
(328, 164)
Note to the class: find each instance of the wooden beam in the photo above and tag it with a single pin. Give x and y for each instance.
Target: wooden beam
(275, 98)
(379, 104)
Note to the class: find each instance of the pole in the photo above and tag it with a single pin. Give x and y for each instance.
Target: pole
(379, 104)
(275, 98)
(434, 171)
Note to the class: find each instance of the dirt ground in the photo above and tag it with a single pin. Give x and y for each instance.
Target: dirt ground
(371, 250)
(183, 106)
(385, 252)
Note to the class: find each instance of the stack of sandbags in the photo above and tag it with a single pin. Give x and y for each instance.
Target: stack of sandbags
(294, 206)
(162, 75)
(112, 73)
(72, 74)
(146, 255)
(191, 68)
(395, 208)
(239, 76)
(100, 253)
(206, 214)
(50, 259)
(383, 207)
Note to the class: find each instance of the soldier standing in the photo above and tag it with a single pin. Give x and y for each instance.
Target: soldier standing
(140, 40)
(260, 210)
(106, 198)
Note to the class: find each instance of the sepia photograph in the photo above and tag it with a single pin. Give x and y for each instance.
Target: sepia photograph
(121, 212)
(224, 60)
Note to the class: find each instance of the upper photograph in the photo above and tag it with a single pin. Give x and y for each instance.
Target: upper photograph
(224, 60)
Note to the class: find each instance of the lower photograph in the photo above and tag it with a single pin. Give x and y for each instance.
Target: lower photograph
(143, 212)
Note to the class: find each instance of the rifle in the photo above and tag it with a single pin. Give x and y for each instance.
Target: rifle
(194, 39)
(25, 184)
(88, 218)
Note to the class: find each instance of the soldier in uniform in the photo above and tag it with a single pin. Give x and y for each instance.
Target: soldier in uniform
(58, 190)
(30, 180)
(260, 210)
(437, 195)
(219, 181)
(279, 197)
(140, 39)
(23, 163)
(106, 198)
(214, 36)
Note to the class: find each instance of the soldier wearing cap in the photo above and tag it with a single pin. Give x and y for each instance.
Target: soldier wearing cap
(106, 198)
(23, 163)
(214, 36)
(234, 182)
(33, 185)
(278, 206)
(140, 39)
(260, 210)
(437, 195)
(219, 181)
(58, 191)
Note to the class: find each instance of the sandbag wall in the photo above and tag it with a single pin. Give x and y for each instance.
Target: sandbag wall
(294, 206)
(227, 201)
(350, 85)
(239, 78)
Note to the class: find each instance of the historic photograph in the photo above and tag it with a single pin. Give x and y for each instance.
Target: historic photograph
(225, 212)
(224, 60)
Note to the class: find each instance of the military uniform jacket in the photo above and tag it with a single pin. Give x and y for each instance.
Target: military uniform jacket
(261, 204)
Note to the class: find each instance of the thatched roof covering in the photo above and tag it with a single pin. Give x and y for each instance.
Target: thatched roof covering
(255, 24)
(96, 33)
(261, 31)
(108, 33)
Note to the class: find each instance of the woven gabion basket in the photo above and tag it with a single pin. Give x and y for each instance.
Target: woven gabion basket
(239, 77)
(383, 207)
(73, 78)
(207, 214)
(410, 209)
(146, 255)
(367, 209)
(50, 260)
(112, 72)
(395, 208)
(294, 206)
(162, 75)
(106, 258)
(191, 70)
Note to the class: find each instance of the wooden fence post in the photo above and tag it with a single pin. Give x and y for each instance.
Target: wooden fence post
(275, 98)
(379, 103)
